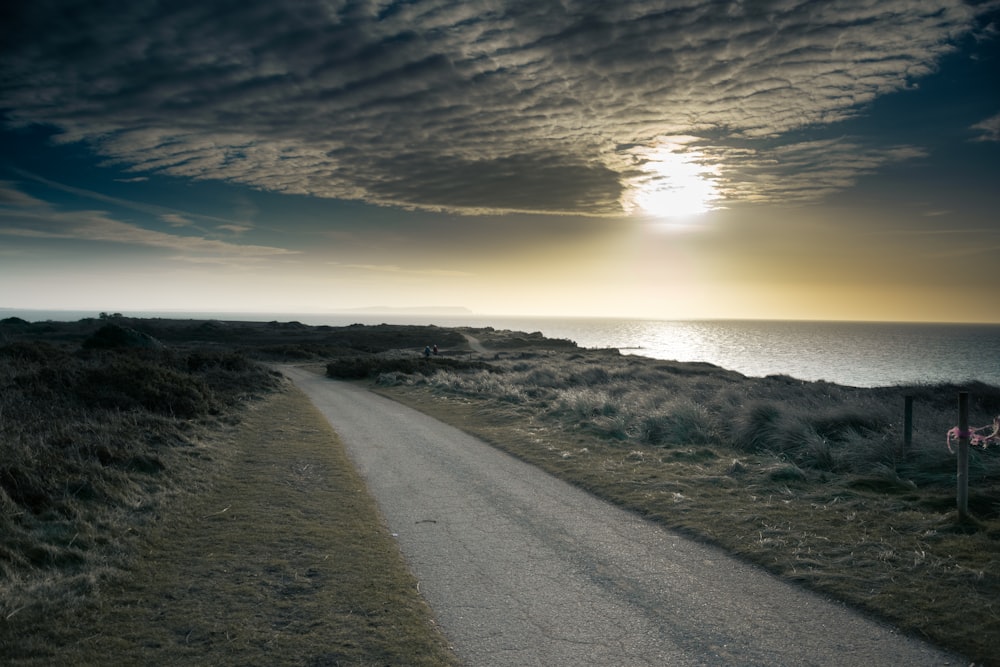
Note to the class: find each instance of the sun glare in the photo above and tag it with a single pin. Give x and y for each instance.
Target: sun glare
(672, 184)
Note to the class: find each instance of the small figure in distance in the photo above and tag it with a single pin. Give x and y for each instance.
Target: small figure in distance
(427, 352)
(435, 350)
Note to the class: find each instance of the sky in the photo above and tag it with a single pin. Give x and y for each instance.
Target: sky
(662, 159)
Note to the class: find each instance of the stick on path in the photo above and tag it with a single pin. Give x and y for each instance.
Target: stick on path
(522, 569)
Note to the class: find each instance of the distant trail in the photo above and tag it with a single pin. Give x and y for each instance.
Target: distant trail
(475, 344)
(523, 569)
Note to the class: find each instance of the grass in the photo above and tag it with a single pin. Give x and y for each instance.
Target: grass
(281, 559)
(91, 443)
(178, 505)
(806, 479)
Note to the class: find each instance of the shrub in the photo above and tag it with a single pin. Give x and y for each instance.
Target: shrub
(681, 422)
(584, 404)
(125, 383)
(113, 336)
(758, 428)
(86, 438)
(481, 383)
(591, 376)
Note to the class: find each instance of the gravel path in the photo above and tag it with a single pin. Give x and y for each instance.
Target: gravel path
(522, 569)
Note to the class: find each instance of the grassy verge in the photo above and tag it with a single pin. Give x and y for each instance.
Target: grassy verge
(805, 479)
(280, 559)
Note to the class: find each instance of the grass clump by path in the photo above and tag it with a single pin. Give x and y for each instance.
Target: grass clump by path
(808, 479)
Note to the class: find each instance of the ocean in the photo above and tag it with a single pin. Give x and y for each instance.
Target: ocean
(860, 354)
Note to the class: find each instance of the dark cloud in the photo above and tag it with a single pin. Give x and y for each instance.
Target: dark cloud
(472, 105)
(534, 183)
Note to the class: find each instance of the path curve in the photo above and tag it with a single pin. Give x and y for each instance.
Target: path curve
(474, 344)
(523, 569)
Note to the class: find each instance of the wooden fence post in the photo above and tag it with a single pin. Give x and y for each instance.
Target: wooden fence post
(963, 456)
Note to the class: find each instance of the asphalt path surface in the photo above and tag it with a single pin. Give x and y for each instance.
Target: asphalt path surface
(522, 569)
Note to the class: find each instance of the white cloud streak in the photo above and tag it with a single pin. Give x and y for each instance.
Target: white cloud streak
(12, 196)
(26, 217)
(474, 105)
(988, 130)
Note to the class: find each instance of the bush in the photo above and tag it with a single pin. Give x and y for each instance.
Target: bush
(127, 384)
(680, 423)
(88, 437)
(758, 428)
(113, 336)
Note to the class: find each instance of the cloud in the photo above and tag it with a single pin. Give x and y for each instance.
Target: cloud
(175, 220)
(27, 217)
(801, 172)
(470, 105)
(11, 195)
(97, 226)
(235, 229)
(988, 130)
(171, 216)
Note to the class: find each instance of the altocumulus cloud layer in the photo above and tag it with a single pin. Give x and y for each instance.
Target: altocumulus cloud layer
(476, 105)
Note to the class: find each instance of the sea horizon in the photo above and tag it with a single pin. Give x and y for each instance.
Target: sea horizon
(847, 352)
(319, 318)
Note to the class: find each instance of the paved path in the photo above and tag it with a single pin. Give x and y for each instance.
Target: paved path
(522, 569)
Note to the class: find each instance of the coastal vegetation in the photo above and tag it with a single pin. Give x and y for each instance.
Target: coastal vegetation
(178, 503)
(164, 493)
(808, 479)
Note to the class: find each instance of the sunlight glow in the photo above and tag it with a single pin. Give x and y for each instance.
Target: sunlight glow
(672, 183)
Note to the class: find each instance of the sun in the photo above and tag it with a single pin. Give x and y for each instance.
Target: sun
(672, 183)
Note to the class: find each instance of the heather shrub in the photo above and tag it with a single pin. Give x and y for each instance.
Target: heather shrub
(129, 383)
(90, 444)
(114, 336)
